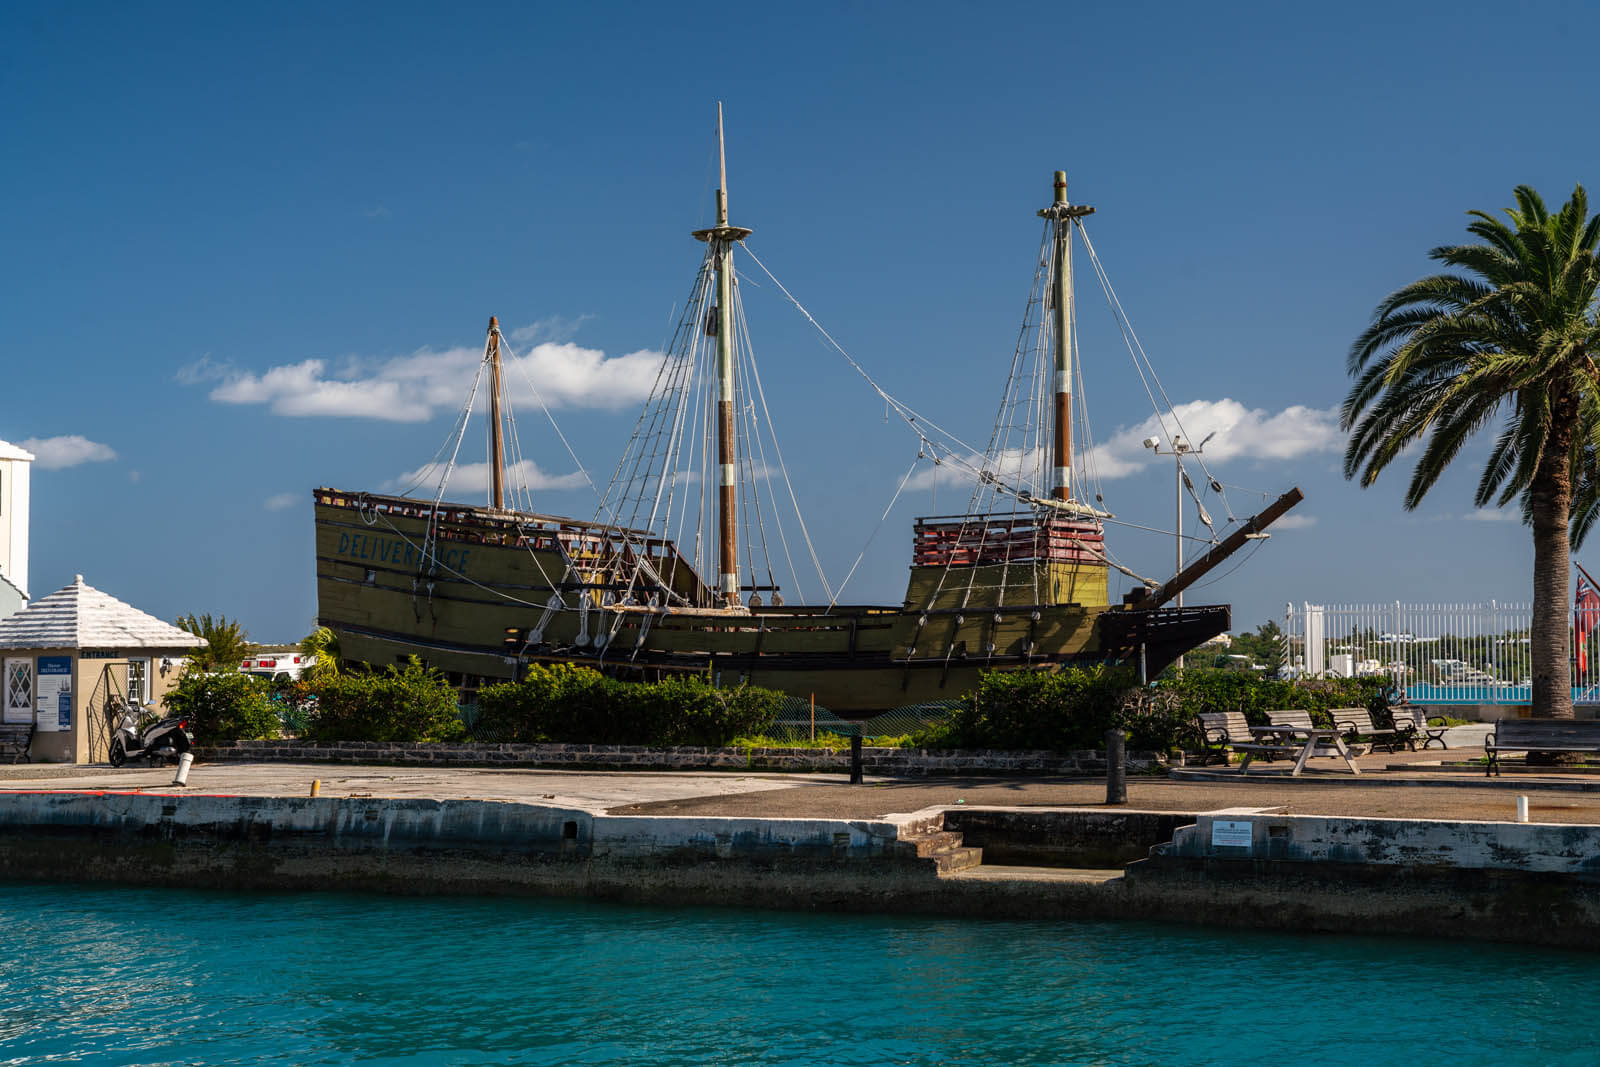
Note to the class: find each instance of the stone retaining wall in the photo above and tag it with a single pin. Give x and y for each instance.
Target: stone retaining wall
(882, 762)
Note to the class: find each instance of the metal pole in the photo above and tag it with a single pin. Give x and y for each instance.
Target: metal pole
(1116, 771)
(1177, 456)
(855, 757)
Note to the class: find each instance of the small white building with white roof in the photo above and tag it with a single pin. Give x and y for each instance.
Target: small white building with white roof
(15, 470)
(71, 655)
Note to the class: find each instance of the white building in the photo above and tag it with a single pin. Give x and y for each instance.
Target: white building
(14, 492)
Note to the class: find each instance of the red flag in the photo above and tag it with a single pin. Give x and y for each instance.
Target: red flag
(1585, 614)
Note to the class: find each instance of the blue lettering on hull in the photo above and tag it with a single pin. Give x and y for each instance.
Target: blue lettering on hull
(396, 552)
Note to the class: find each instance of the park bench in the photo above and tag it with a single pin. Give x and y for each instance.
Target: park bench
(1540, 735)
(1222, 731)
(1294, 718)
(1298, 719)
(1410, 725)
(1357, 722)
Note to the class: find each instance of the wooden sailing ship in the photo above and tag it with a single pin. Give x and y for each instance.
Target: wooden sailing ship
(480, 591)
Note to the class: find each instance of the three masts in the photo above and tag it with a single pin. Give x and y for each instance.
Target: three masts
(1021, 583)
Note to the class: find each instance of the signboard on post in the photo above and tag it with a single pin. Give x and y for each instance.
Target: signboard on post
(53, 694)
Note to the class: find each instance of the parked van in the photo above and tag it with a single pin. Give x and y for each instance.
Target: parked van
(278, 666)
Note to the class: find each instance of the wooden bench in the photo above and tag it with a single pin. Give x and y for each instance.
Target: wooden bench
(1298, 719)
(1540, 735)
(1410, 725)
(1295, 718)
(1224, 731)
(1357, 722)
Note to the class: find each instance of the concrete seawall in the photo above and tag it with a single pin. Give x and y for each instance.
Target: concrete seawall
(1497, 881)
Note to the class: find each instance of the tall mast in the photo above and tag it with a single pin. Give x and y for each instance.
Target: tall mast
(1061, 213)
(497, 462)
(722, 238)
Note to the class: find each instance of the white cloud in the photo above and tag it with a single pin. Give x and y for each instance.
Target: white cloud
(69, 450)
(417, 387)
(1241, 433)
(1494, 515)
(281, 501)
(474, 478)
(1293, 522)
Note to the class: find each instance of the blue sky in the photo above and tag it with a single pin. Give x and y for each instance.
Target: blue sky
(247, 245)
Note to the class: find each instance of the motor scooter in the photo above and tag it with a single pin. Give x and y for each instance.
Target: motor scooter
(140, 733)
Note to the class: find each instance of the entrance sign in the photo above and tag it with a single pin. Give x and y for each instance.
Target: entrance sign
(53, 694)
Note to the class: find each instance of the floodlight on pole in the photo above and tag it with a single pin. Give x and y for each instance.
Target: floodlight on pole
(1178, 449)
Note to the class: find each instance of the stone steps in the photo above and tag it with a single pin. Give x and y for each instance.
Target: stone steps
(945, 849)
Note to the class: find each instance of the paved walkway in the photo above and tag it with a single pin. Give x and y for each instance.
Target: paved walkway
(1398, 785)
(582, 790)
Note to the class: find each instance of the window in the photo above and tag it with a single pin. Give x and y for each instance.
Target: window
(138, 685)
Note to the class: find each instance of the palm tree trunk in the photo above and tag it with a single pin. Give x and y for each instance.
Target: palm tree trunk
(1551, 502)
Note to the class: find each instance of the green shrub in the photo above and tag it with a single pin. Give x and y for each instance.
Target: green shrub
(690, 711)
(1157, 721)
(224, 707)
(413, 704)
(1208, 691)
(1073, 708)
(563, 703)
(1053, 710)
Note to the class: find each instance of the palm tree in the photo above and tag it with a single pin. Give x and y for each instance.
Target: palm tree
(1511, 342)
(227, 643)
(322, 644)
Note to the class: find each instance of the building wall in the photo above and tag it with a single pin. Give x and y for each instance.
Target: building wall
(14, 493)
(97, 676)
(11, 600)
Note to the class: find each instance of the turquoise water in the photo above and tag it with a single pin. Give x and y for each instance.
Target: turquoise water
(125, 976)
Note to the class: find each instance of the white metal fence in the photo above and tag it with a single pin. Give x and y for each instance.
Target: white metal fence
(1441, 653)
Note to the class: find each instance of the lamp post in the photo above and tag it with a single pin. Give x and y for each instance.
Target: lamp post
(1179, 448)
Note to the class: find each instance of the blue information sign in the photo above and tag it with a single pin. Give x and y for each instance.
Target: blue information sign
(54, 691)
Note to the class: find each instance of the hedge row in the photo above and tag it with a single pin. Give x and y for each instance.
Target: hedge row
(1052, 710)
(565, 703)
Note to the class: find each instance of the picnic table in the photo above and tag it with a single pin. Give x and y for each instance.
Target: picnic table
(1302, 742)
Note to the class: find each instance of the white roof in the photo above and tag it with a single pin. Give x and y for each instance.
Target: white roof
(11, 451)
(81, 616)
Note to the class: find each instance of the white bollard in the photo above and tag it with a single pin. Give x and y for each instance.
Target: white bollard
(1522, 809)
(187, 759)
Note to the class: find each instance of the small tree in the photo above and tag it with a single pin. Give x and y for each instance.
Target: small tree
(223, 706)
(414, 704)
(227, 643)
(322, 644)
